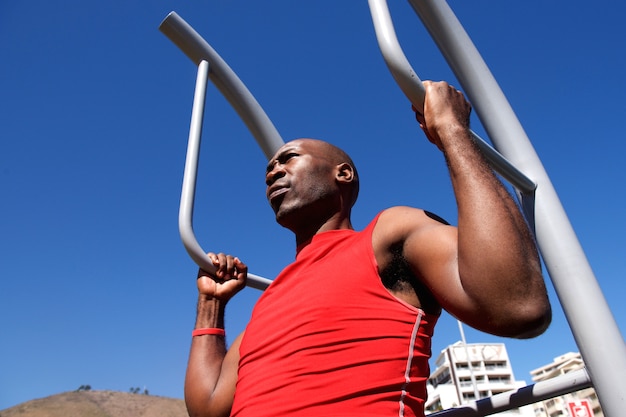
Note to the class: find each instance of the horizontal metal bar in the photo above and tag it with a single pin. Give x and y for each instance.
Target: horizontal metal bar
(411, 85)
(530, 394)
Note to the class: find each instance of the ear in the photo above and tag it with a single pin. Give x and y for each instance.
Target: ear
(345, 173)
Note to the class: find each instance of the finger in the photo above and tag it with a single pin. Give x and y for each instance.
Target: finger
(229, 270)
(239, 264)
(214, 260)
(220, 265)
(242, 269)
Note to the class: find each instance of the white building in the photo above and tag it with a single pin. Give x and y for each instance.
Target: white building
(559, 406)
(457, 380)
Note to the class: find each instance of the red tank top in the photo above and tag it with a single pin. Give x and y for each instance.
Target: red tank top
(328, 339)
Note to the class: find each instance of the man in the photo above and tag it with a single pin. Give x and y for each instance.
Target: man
(345, 330)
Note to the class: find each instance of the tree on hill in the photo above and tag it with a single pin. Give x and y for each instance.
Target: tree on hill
(137, 390)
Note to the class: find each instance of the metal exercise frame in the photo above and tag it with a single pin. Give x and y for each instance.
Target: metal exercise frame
(514, 159)
(565, 261)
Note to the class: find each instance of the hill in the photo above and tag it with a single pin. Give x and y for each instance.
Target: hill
(99, 404)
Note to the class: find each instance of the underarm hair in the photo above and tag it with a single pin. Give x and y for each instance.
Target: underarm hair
(398, 275)
(399, 278)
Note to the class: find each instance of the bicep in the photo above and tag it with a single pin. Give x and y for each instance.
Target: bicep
(432, 253)
(430, 248)
(487, 303)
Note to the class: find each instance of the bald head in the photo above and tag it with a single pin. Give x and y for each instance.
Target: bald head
(326, 152)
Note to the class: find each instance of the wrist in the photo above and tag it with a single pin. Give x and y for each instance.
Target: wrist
(209, 298)
(453, 133)
(210, 312)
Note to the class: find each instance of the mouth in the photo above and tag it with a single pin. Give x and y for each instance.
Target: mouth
(276, 193)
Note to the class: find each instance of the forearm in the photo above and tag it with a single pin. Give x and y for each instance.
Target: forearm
(205, 358)
(497, 259)
(489, 220)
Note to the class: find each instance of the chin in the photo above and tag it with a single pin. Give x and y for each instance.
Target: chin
(281, 220)
(285, 218)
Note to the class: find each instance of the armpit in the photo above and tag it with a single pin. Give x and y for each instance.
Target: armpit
(403, 284)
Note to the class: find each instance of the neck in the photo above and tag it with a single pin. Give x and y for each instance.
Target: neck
(339, 221)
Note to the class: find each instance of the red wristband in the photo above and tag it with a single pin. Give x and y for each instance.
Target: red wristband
(215, 331)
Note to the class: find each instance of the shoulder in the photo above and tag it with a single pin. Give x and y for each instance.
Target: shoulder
(416, 234)
(412, 247)
(395, 224)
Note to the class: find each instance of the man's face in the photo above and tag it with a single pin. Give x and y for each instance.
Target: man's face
(300, 180)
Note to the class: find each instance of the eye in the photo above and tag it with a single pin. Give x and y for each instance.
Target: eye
(281, 159)
(286, 157)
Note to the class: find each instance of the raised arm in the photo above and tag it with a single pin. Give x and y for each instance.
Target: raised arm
(212, 369)
(487, 271)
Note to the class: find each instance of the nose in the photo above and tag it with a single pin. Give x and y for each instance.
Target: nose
(275, 173)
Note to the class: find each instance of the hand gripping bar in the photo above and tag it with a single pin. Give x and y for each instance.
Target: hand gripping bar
(411, 85)
(212, 66)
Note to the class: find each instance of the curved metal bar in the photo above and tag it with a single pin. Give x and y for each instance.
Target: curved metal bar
(224, 78)
(212, 66)
(185, 213)
(411, 85)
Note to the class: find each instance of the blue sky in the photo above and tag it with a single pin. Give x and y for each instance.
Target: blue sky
(95, 286)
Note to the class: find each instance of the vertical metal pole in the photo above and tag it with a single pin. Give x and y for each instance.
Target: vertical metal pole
(185, 211)
(593, 325)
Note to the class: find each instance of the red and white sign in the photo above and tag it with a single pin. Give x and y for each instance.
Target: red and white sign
(580, 408)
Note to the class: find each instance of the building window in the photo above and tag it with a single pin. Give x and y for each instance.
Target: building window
(495, 365)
